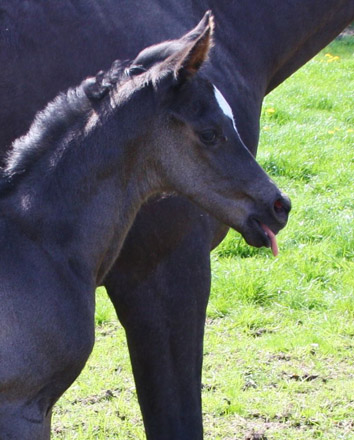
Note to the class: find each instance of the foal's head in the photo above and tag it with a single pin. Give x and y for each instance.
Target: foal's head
(193, 142)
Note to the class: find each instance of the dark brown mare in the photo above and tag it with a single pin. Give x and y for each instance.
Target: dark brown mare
(49, 46)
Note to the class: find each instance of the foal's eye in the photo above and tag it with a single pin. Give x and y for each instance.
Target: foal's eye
(208, 136)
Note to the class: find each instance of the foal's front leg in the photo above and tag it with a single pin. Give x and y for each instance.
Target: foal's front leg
(160, 288)
(46, 336)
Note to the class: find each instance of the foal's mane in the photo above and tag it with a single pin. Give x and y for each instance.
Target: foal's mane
(61, 120)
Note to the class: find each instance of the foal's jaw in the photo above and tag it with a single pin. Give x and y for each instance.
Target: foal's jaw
(257, 222)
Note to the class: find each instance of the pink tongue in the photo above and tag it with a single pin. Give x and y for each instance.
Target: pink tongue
(273, 240)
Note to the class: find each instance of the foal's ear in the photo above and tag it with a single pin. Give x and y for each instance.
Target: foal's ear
(207, 20)
(195, 49)
(190, 59)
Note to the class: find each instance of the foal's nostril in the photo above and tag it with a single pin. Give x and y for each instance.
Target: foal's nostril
(278, 206)
(282, 206)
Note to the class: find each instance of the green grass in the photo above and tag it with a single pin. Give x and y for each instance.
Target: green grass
(279, 348)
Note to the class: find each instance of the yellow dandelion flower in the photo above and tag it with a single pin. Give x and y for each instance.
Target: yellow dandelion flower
(266, 128)
(331, 131)
(350, 130)
(270, 110)
(330, 58)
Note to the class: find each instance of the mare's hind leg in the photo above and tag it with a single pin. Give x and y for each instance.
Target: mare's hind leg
(160, 288)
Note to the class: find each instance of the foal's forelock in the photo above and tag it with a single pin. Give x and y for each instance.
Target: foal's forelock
(105, 81)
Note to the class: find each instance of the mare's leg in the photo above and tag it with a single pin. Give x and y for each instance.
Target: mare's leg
(160, 288)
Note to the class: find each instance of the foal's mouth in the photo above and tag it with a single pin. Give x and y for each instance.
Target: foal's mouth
(269, 237)
(272, 241)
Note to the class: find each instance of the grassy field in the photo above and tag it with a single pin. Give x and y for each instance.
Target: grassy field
(279, 349)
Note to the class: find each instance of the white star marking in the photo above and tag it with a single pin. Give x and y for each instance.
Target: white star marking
(224, 105)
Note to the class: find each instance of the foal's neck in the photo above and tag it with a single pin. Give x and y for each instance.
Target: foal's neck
(82, 197)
